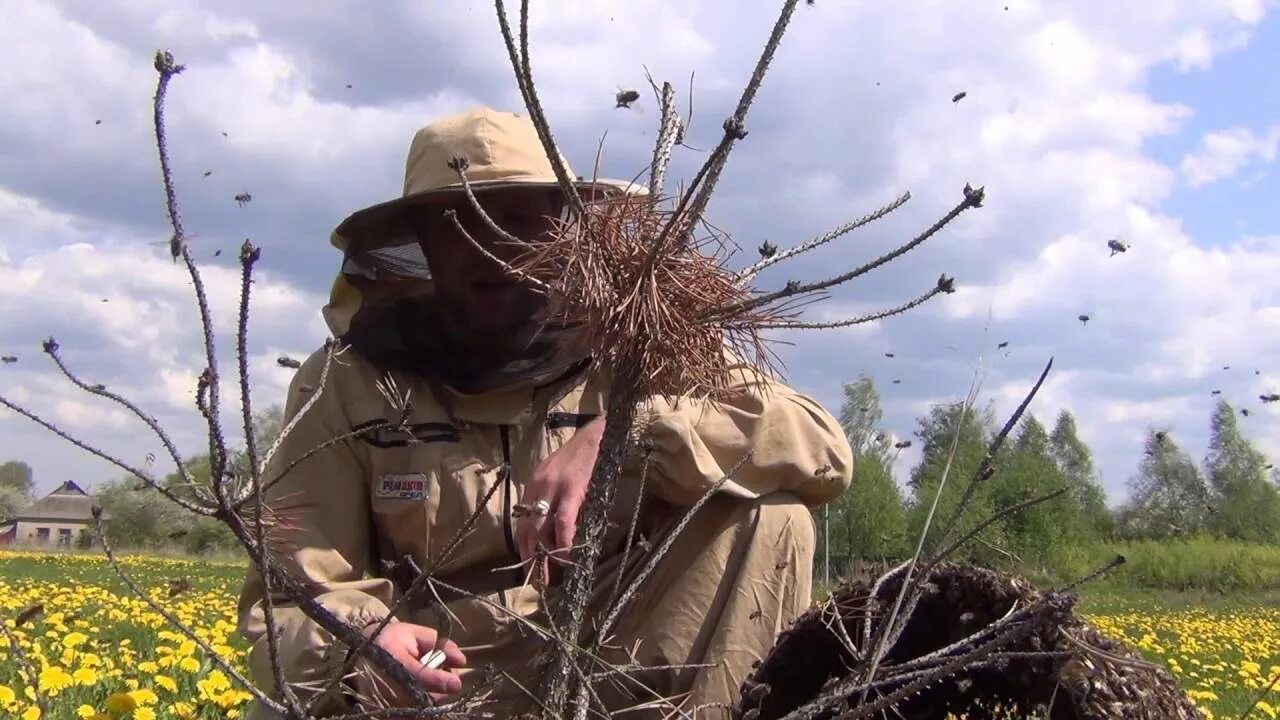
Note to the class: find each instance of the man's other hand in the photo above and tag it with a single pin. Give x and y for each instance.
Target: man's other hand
(562, 481)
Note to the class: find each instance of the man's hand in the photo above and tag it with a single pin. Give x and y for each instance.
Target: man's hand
(562, 481)
(407, 643)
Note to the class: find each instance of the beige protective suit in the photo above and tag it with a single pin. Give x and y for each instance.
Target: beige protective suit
(736, 575)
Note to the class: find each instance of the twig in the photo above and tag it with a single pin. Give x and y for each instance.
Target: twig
(943, 286)
(51, 348)
(972, 199)
(167, 69)
(1262, 694)
(195, 637)
(33, 677)
(524, 79)
(136, 472)
(665, 546)
(750, 273)
(986, 467)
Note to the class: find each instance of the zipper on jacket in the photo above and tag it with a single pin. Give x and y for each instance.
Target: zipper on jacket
(508, 489)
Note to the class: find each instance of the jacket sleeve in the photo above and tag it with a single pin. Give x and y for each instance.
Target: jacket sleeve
(320, 511)
(795, 445)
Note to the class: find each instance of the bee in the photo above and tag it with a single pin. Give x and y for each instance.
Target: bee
(1117, 246)
(958, 96)
(1002, 345)
(288, 362)
(9, 359)
(243, 199)
(888, 355)
(768, 250)
(624, 98)
(902, 444)
(1084, 319)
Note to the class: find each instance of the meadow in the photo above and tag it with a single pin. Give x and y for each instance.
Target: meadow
(101, 653)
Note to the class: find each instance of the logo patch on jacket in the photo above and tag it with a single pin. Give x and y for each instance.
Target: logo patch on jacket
(406, 486)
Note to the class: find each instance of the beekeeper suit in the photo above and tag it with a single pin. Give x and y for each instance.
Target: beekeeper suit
(506, 406)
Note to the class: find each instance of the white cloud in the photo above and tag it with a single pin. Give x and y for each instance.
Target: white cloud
(1057, 124)
(1224, 153)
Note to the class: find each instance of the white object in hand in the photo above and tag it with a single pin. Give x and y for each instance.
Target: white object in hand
(433, 659)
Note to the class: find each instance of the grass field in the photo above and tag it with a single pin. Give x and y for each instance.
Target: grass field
(101, 652)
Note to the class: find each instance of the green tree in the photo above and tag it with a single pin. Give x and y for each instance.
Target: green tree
(1246, 505)
(1027, 470)
(17, 475)
(12, 502)
(936, 432)
(1075, 462)
(1168, 496)
(868, 521)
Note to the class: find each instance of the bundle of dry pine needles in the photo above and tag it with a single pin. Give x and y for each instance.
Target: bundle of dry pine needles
(650, 290)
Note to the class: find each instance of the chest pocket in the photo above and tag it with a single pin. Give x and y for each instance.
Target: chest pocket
(423, 488)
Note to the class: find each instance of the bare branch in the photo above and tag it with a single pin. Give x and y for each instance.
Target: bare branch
(174, 620)
(33, 678)
(136, 472)
(750, 273)
(944, 286)
(972, 199)
(51, 348)
(524, 79)
(167, 69)
(987, 467)
(665, 546)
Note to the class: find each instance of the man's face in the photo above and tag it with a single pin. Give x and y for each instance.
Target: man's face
(477, 294)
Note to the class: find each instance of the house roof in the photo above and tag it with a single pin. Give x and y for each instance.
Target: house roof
(68, 503)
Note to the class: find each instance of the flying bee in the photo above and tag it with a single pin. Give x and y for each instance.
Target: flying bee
(624, 98)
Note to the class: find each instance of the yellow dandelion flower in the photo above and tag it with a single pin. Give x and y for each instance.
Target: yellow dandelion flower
(144, 713)
(85, 676)
(183, 710)
(54, 679)
(189, 664)
(165, 682)
(120, 703)
(148, 667)
(86, 711)
(144, 696)
(74, 639)
(7, 696)
(31, 713)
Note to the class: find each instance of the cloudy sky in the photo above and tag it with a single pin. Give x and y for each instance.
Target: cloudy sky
(1152, 122)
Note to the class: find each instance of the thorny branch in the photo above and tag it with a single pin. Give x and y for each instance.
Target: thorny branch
(32, 677)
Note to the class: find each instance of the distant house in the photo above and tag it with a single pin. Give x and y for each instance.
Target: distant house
(59, 518)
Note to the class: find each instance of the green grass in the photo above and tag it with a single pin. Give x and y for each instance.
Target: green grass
(1209, 639)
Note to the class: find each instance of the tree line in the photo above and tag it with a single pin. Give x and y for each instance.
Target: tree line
(1232, 494)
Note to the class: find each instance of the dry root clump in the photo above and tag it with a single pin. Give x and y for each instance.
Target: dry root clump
(650, 295)
(1055, 664)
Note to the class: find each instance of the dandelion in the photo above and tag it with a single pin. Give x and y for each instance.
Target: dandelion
(54, 679)
(120, 703)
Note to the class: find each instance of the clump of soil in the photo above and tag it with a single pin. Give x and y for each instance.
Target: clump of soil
(1008, 650)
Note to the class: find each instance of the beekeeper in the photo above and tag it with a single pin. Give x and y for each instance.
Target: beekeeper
(498, 396)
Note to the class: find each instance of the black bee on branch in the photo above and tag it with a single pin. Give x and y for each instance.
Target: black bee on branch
(768, 249)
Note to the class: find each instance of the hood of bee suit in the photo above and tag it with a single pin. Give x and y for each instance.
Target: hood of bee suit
(382, 302)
